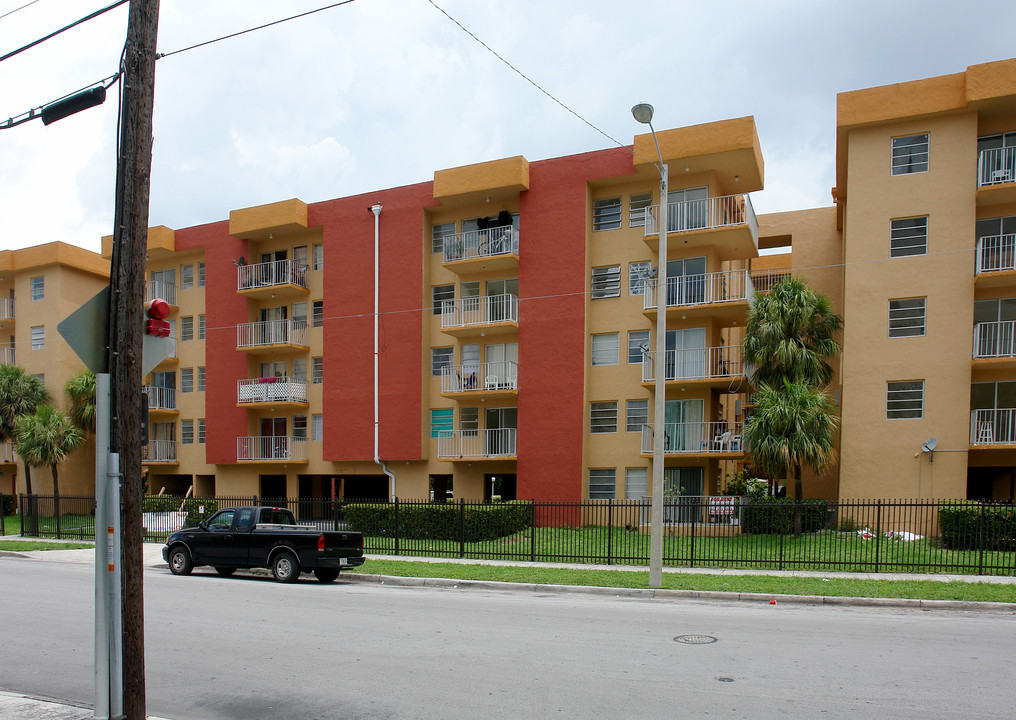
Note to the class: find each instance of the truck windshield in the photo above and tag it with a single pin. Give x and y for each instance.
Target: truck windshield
(275, 516)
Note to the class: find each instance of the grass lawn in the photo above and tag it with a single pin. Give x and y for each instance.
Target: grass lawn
(765, 584)
(71, 526)
(31, 545)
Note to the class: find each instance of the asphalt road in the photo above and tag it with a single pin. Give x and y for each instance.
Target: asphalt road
(224, 649)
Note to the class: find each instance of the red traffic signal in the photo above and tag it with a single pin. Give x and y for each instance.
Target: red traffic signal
(157, 310)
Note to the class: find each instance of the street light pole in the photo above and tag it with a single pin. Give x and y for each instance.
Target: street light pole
(643, 112)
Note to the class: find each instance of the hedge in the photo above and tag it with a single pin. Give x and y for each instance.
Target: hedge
(7, 504)
(439, 521)
(961, 526)
(192, 506)
(775, 516)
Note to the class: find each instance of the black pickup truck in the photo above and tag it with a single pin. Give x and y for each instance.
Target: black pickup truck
(267, 537)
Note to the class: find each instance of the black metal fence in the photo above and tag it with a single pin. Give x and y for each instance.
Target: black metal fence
(707, 532)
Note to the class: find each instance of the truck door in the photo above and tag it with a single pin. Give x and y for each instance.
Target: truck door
(215, 546)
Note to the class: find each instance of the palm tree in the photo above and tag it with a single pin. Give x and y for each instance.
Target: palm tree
(791, 427)
(20, 394)
(81, 390)
(789, 334)
(45, 438)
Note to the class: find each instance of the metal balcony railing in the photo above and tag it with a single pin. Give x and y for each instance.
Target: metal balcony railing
(502, 375)
(996, 253)
(7, 454)
(698, 364)
(996, 166)
(6, 308)
(993, 427)
(489, 242)
(696, 437)
(476, 444)
(705, 214)
(7, 356)
(160, 398)
(159, 451)
(270, 447)
(276, 272)
(271, 332)
(479, 311)
(160, 289)
(705, 289)
(995, 339)
(270, 389)
(764, 280)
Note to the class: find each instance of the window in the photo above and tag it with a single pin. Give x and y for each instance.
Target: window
(636, 483)
(201, 379)
(317, 370)
(605, 347)
(39, 337)
(201, 327)
(910, 154)
(904, 399)
(201, 431)
(441, 420)
(637, 205)
(300, 312)
(186, 328)
(440, 293)
(607, 214)
(186, 380)
(908, 236)
(187, 432)
(299, 370)
(201, 274)
(318, 255)
(637, 415)
(602, 483)
(186, 277)
(300, 426)
(317, 427)
(318, 316)
(603, 417)
(469, 421)
(636, 338)
(300, 256)
(440, 358)
(38, 288)
(638, 277)
(906, 317)
(606, 282)
(438, 235)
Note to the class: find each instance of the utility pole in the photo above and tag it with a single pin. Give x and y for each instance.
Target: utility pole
(126, 321)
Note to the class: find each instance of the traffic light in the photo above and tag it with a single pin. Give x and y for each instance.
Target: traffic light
(157, 310)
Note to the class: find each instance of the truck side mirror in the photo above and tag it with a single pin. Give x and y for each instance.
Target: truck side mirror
(203, 524)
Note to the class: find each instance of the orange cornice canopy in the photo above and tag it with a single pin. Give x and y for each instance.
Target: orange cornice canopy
(160, 242)
(496, 179)
(57, 253)
(274, 219)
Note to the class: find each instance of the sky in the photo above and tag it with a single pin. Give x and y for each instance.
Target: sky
(381, 93)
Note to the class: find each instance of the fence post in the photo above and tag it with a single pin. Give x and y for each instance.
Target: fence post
(396, 525)
(781, 547)
(462, 527)
(878, 534)
(980, 543)
(610, 529)
(532, 530)
(694, 517)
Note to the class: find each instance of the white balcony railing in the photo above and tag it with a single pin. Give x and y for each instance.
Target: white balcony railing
(159, 451)
(764, 280)
(479, 311)
(993, 427)
(705, 214)
(995, 253)
(705, 289)
(271, 332)
(696, 437)
(495, 443)
(996, 166)
(270, 389)
(995, 339)
(502, 375)
(7, 454)
(160, 289)
(6, 308)
(699, 364)
(7, 354)
(271, 447)
(276, 272)
(160, 398)
(489, 242)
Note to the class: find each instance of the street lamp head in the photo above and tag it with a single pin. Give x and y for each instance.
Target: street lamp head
(643, 112)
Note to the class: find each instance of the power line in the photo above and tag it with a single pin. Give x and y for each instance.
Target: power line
(41, 40)
(11, 12)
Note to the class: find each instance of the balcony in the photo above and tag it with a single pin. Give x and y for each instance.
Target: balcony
(492, 314)
(159, 451)
(995, 260)
(488, 250)
(993, 427)
(7, 454)
(271, 391)
(276, 278)
(160, 399)
(728, 222)
(7, 356)
(6, 311)
(271, 448)
(996, 176)
(272, 336)
(496, 444)
(161, 289)
(480, 379)
(723, 295)
(702, 439)
(713, 366)
(764, 280)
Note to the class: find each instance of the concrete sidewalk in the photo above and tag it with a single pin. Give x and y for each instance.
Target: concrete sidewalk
(22, 707)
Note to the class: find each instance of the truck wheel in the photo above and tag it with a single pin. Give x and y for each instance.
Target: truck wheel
(326, 575)
(225, 571)
(285, 567)
(180, 561)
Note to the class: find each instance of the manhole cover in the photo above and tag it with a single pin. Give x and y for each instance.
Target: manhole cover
(695, 639)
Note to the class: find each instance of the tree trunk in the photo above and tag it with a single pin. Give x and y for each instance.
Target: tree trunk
(30, 520)
(798, 492)
(56, 500)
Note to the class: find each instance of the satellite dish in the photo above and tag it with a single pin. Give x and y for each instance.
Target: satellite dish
(929, 447)
(653, 272)
(241, 261)
(644, 346)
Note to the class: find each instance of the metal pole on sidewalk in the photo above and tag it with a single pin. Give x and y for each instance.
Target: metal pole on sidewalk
(101, 680)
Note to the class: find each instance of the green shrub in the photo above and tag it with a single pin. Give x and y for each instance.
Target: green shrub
(775, 516)
(961, 526)
(7, 504)
(191, 506)
(439, 521)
